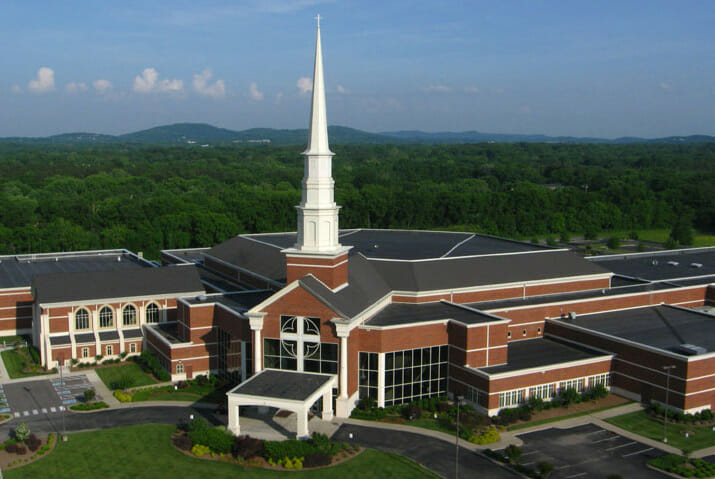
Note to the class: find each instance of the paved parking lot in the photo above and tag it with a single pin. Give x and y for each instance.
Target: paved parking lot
(587, 452)
(46, 396)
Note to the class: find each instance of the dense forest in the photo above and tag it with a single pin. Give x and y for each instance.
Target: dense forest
(56, 198)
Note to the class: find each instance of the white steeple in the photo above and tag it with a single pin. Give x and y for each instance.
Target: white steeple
(317, 212)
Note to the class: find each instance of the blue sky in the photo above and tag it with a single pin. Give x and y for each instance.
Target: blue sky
(606, 69)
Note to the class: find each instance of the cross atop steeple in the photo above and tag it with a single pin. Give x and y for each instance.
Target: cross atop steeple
(318, 17)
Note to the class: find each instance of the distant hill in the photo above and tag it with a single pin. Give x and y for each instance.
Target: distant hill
(202, 134)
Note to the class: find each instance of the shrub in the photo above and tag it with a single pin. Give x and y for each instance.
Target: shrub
(182, 442)
(513, 453)
(411, 411)
(89, 395)
(198, 450)
(33, 443)
(11, 448)
(278, 450)
(248, 447)
(217, 440)
(317, 459)
(34, 354)
(487, 436)
(569, 396)
(122, 396)
(614, 242)
(22, 432)
(545, 469)
(21, 449)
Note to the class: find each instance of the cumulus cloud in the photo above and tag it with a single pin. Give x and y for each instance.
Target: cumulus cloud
(45, 81)
(102, 86)
(75, 87)
(438, 88)
(254, 92)
(16, 89)
(203, 87)
(342, 90)
(149, 82)
(304, 84)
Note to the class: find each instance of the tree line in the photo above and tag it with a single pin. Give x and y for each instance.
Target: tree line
(61, 198)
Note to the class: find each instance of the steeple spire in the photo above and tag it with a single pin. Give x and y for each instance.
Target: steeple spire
(318, 135)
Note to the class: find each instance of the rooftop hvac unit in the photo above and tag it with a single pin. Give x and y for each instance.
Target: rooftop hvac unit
(696, 265)
(673, 263)
(691, 349)
(572, 315)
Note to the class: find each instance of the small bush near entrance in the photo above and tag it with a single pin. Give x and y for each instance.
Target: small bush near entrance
(218, 440)
(248, 447)
(182, 442)
(683, 466)
(317, 459)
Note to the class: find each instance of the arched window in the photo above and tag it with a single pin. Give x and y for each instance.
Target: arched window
(152, 313)
(129, 315)
(81, 319)
(106, 317)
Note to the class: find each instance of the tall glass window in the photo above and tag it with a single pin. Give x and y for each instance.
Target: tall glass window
(367, 375)
(81, 319)
(152, 313)
(129, 315)
(106, 317)
(415, 374)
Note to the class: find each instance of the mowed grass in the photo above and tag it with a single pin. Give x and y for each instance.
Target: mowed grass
(19, 364)
(146, 451)
(129, 373)
(643, 424)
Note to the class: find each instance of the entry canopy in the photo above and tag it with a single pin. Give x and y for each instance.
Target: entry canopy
(292, 391)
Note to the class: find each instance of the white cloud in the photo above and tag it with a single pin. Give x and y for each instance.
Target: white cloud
(254, 92)
(75, 87)
(342, 90)
(149, 81)
(16, 89)
(45, 81)
(102, 86)
(304, 84)
(438, 88)
(471, 89)
(202, 86)
(279, 98)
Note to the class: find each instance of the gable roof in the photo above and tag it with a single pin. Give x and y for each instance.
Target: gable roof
(252, 255)
(65, 287)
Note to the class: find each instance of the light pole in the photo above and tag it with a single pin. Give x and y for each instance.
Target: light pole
(456, 441)
(62, 383)
(667, 389)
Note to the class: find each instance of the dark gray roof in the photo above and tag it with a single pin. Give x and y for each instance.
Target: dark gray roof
(484, 270)
(660, 265)
(63, 287)
(253, 255)
(411, 245)
(240, 301)
(132, 333)
(18, 271)
(84, 338)
(60, 340)
(112, 335)
(663, 327)
(396, 314)
(169, 331)
(540, 352)
(282, 385)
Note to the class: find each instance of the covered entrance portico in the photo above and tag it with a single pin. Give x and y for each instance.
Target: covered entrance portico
(288, 390)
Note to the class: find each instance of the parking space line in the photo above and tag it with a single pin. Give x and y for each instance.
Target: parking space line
(580, 474)
(607, 439)
(530, 452)
(622, 445)
(597, 432)
(637, 452)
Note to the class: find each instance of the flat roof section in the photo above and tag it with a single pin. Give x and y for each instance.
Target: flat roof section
(289, 385)
(413, 245)
(662, 265)
(662, 327)
(540, 352)
(18, 271)
(240, 301)
(398, 314)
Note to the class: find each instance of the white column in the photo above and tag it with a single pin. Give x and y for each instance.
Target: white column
(233, 418)
(344, 367)
(243, 361)
(380, 379)
(328, 405)
(301, 416)
(257, 355)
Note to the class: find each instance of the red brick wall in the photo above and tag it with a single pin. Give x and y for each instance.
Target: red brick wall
(331, 271)
(15, 310)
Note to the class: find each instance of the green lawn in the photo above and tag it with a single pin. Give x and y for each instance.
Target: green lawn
(19, 364)
(146, 451)
(193, 392)
(130, 374)
(641, 423)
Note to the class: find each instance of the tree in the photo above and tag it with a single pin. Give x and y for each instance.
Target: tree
(614, 242)
(682, 231)
(513, 453)
(544, 469)
(22, 432)
(89, 395)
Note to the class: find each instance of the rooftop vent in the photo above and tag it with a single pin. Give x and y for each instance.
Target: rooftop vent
(654, 262)
(696, 265)
(691, 349)
(673, 263)
(572, 315)
(119, 259)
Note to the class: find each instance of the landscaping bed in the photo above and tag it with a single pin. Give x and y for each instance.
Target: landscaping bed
(683, 466)
(200, 389)
(24, 448)
(24, 362)
(94, 406)
(201, 440)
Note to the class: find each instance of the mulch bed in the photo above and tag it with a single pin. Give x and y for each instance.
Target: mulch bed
(608, 401)
(340, 457)
(12, 460)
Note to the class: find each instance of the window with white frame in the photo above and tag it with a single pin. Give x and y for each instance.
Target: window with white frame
(106, 317)
(543, 391)
(110, 350)
(299, 347)
(179, 368)
(576, 384)
(152, 313)
(129, 315)
(132, 347)
(600, 379)
(476, 395)
(85, 352)
(511, 398)
(81, 319)
(415, 374)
